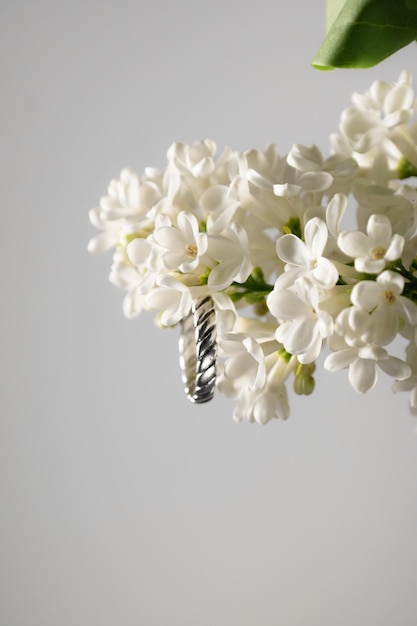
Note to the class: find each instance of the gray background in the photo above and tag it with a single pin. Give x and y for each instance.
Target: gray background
(121, 503)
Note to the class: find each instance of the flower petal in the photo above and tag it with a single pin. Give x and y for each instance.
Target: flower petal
(292, 250)
(379, 230)
(395, 367)
(315, 234)
(325, 273)
(366, 294)
(354, 243)
(316, 181)
(363, 375)
(339, 360)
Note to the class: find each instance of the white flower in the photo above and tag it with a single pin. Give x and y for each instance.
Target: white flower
(410, 384)
(232, 256)
(353, 328)
(269, 402)
(377, 111)
(383, 200)
(383, 298)
(220, 203)
(372, 251)
(184, 244)
(145, 255)
(195, 159)
(305, 258)
(226, 315)
(262, 406)
(363, 362)
(354, 347)
(304, 325)
(125, 209)
(317, 173)
(135, 281)
(244, 359)
(172, 298)
(111, 232)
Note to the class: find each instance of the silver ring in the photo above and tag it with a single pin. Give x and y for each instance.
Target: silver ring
(198, 350)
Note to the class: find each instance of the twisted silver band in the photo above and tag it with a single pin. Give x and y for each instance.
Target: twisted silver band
(198, 350)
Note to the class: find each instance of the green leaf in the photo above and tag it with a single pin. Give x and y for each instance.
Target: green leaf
(333, 8)
(362, 33)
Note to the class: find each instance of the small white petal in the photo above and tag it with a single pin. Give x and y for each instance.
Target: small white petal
(379, 230)
(340, 360)
(285, 304)
(315, 234)
(334, 213)
(369, 266)
(408, 310)
(395, 367)
(286, 189)
(325, 273)
(395, 248)
(138, 251)
(366, 294)
(103, 242)
(353, 243)
(363, 375)
(292, 250)
(392, 281)
(222, 275)
(316, 181)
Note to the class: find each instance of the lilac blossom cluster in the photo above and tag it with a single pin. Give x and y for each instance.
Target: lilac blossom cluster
(264, 236)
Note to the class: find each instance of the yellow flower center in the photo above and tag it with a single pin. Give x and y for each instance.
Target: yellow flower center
(378, 253)
(389, 296)
(191, 251)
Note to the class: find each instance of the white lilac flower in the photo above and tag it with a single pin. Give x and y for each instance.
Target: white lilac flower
(353, 327)
(363, 362)
(195, 159)
(198, 168)
(270, 402)
(137, 282)
(232, 256)
(145, 255)
(372, 252)
(405, 139)
(264, 170)
(172, 298)
(303, 324)
(110, 235)
(176, 196)
(248, 190)
(374, 199)
(317, 173)
(262, 406)
(183, 244)
(383, 298)
(304, 258)
(125, 209)
(376, 112)
(220, 203)
(410, 384)
(332, 214)
(245, 360)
